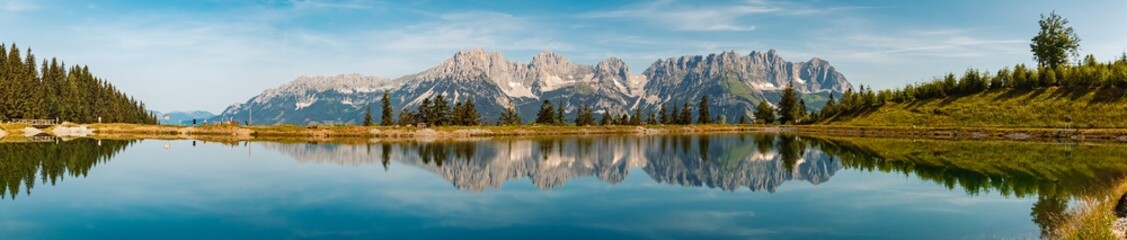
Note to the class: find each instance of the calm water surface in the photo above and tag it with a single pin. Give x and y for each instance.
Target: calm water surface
(616, 187)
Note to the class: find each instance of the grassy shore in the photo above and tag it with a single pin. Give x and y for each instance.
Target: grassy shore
(1041, 108)
(323, 132)
(1094, 217)
(970, 133)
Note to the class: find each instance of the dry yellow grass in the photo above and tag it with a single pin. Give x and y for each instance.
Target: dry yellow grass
(1093, 217)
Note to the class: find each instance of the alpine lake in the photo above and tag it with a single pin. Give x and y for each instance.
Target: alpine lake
(722, 186)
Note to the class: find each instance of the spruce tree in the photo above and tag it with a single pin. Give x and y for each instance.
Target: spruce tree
(546, 115)
(686, 114)
(368, 117)
(509, 117)
(636, 118)
(664, 117)
(459, 115)
(801, 108)
(704, 117)
(471, 118)
(559, 117)
(385, 114)
(606, 121)
(788, 105)
(585, 117)
(441, 111)
(764, 113)
(651, 119)
(675, 117)
(408, 117)
(828, 109)
(423, 115)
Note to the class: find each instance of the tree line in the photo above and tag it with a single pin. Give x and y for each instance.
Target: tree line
(437, 111)
(549, 114)
(52, 90)
(434, 111)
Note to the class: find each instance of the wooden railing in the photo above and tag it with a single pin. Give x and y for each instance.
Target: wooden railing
(35, 122)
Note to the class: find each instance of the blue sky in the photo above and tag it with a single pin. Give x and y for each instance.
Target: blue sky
(205, 55)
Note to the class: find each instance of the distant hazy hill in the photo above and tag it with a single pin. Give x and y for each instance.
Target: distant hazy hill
(733, 81)
(184, 117)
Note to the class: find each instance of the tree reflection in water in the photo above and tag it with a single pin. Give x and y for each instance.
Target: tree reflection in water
(24, 164)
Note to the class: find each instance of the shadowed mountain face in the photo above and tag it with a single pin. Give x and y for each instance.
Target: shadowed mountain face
(734, 82)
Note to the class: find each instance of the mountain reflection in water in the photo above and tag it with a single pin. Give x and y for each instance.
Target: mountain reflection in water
(757, 163)
(1053, 174)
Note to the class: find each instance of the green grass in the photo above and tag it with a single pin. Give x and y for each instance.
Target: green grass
(736, 88)
(1043, 108)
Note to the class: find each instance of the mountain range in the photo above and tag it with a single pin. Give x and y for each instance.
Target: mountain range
(735, 83)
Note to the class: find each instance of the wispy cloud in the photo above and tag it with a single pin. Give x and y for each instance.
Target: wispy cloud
(470, 30)
(938, 43)
(687, 18)
(347, 4)
(691, 16)
(17, 5)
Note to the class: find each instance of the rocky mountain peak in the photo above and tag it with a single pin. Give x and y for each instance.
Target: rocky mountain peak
(475, 58)
(817, 62)
(612, 65)
(546, 59)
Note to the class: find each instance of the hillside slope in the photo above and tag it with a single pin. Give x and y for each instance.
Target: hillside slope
(1044, 107)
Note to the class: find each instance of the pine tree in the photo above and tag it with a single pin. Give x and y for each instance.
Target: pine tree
(664, 115)
(764, 113)
(606, 121)
(788, 105)
(408, 117)
(368, 117)
(801, 109)
(44, 90)
(686, 114)
(636, 118)
(425, 113)
(651, 119)
(585, 117)
(675, 117)
(559, 117)
(471, 118)
(509, 117)
(828, 109)
(385, 105)
(459, 115)
(704, 117)
(441, 111)
(546, 115)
